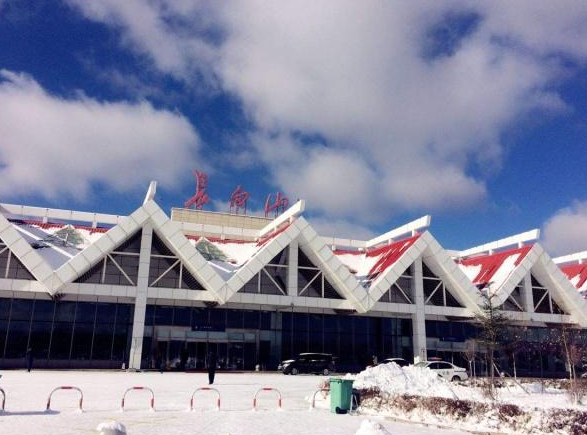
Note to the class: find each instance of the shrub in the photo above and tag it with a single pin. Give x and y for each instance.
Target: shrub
(573, 421)
(509, 410)
(510, 416)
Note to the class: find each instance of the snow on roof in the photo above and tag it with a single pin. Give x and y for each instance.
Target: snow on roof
(577, 274)
(493, 270)
(366, 265)
(229, 255)
(57, 243)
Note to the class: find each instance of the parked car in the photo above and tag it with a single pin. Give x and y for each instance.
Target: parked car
(445, 370)
(399, 361)
(319, 363)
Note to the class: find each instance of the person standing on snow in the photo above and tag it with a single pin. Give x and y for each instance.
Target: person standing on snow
(211, 367)
(29, 359)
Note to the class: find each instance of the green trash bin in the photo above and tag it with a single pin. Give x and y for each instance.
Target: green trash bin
(341, 392)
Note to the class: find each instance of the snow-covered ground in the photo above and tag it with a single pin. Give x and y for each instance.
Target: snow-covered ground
(419, 395)
(392, 379)
(27, 394)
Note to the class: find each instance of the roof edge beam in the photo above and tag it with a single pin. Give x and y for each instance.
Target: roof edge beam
(409, 228)
(150, 196)
(515, 240)
(288, 215)
(577, 257)
(67, 215)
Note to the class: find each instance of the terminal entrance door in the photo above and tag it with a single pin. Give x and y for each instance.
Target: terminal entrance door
(230, 355)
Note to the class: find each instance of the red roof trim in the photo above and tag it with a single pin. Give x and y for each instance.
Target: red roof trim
(490, 264)
(572, 270)
(390, 254)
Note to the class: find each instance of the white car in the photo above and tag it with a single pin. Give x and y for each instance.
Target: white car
(399, 361)
(445, 370)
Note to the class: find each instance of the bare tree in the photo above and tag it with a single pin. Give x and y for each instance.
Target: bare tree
(492, 323)
(470, 354)
(574, 353)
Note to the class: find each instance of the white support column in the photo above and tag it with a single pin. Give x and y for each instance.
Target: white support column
(527, 296)
(292, 271)
(419, 317)
(138, 324)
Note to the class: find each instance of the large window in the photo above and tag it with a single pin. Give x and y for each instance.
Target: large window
(514, 300)
(435, 291)
(400, 292)
(543, 301)
(353, 340)
(166, 269)
(311, 280)
(120, 267)
(64, 333)
(272, 279)
(11, 267)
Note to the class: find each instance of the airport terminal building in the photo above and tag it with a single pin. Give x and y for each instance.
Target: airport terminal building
(90, 290)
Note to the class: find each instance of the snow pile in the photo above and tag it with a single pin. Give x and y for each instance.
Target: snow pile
(369, 427)
(393, 379)
(111, 428)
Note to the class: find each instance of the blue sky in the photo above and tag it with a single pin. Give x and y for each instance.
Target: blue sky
(375, 113)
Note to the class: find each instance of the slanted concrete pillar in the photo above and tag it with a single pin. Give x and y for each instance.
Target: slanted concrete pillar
(138, 324)
(292, 271)
(419, 317)
(527, 296)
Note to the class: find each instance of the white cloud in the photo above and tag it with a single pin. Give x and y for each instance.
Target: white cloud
(147, 28)
(566, 231)
(403, 131)
(329, 227)
(54, 146)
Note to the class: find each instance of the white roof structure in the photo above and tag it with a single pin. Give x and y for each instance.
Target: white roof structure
(59, 246)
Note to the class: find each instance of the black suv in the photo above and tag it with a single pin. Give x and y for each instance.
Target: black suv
(319, 363)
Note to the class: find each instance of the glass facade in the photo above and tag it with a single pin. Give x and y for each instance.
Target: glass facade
(181, 337)
(353, 340)
(64, 334)
(529, 351)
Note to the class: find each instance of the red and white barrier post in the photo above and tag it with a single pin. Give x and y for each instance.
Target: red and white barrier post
(205, 389)
(151, 403)
(314, 396)
(3, 400)
(267, 389)
(66, 387)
